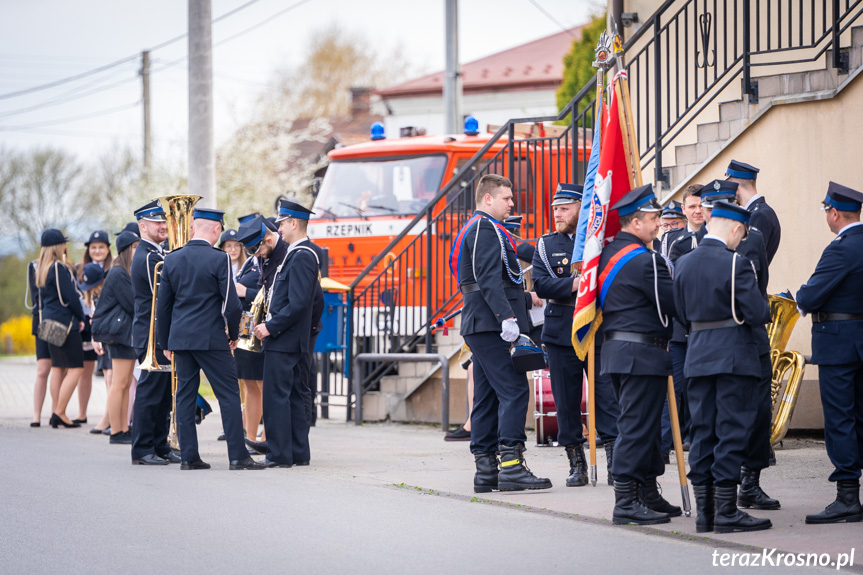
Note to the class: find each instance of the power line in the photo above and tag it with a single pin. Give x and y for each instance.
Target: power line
(116, 63)
(552, 18)
(69, 119)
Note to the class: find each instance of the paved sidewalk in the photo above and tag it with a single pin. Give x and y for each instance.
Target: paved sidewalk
(415, 458)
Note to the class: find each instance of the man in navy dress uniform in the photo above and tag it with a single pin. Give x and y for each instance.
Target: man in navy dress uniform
(152, 408)
(553, 281)
(490, 279)
(719, 302)
(286, 335)
(637, 307)
(673, 224)
(834, 297)
(199, 317)
(763, 216)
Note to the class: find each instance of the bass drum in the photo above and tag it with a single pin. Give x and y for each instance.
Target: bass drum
(545, 411)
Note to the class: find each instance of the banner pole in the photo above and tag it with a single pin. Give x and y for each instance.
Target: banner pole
(678, 447)
(591, 409)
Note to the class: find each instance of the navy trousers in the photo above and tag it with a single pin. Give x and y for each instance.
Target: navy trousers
(842, 399)
(151, 412)
(723, 412)
(636, 452)
(310, 383)
(677, 351)
(567, 381)
(221, 372)
(758, 456)
(500, 395)
(285, 408)
(607, 403)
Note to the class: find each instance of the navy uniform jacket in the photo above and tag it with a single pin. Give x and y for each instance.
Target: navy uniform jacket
(837, 286)
(668, 238)
(552, 280)
(765, 219)
(147, 255)
(630, 305)
(481, 264)
(117, 291)
(702, 292)
(753, 248)
(290, 311)
(196, 298)
(249, 276)
(270, 265)
(50, 294)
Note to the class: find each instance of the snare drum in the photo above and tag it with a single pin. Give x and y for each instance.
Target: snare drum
(545, 412)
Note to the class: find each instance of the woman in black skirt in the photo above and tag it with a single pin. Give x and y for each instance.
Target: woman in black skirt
(43, 356)
(117, 291)
(59, 300)
(89, 284)
(250, 365)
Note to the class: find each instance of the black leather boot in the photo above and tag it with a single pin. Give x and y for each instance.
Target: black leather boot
(485, 478)
(729, 519)
(628, 508)
(653, 500)
(514, 474)
(609, 456)
(846, 508)
(706, 507)
(751, 495)
(577, 466)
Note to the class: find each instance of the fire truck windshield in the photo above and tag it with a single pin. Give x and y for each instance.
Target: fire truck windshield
(379, 187)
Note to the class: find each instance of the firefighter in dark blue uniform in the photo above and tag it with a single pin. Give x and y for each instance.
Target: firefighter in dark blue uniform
(554, 282)
(286, 335)
(673, 224)
(637, 308)
(490, 278)
(763, 217)
(834, 297)
(721, 305)
(152, 406)
(196, 305)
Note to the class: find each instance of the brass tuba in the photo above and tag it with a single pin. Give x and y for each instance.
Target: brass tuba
(255, 315)
(784, 315)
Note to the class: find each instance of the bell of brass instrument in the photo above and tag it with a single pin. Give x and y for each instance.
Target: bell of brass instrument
(249, 320)
(784, 315)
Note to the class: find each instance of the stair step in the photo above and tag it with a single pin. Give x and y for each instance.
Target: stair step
(735, 110)
(393, 385)
(857, 35)
(709, 132)
(374, 406)
(415, 368)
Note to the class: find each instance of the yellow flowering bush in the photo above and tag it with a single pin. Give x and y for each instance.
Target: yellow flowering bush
(15, 336)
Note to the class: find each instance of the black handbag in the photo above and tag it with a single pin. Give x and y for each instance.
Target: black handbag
(111, 326)
(50, 330)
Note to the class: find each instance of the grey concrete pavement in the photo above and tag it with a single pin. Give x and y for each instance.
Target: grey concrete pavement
(376, 499)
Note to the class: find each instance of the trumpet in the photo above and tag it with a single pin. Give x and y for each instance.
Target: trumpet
(256, 314)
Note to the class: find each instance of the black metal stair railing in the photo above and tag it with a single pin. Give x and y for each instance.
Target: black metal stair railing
(681, 59)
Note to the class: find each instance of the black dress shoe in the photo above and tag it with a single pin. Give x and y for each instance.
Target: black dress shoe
(258, 446)
(81, 421)
(35, 424)
(190, 465)
(171, 456)
(247, 463)
(460, 434)
(302, 463)
(221, 437)
(150, 459)
(97, 431)
(107, 431)
(122, 438)
(56, 421)
(270, 463)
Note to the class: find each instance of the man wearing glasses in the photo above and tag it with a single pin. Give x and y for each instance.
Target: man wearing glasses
(673, 223)
(262, 241)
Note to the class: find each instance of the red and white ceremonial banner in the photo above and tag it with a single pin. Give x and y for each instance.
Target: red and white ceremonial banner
(615, 177)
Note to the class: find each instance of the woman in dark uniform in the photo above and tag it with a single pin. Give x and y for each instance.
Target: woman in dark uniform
(43, 357)
(250, 365)
(59, 301)
(117, 291)
(89, 284)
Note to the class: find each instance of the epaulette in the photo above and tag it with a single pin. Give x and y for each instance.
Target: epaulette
(754, 228)
(548, 235)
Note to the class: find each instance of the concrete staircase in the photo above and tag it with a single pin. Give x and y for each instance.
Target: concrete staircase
(737, 115)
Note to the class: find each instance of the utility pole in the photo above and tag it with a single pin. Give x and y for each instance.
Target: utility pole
(202, 181)
(145, 76)
(452, 77)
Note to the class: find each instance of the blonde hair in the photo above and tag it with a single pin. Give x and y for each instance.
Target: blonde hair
(48, 256)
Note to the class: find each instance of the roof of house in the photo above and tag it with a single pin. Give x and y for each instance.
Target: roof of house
(537, 64)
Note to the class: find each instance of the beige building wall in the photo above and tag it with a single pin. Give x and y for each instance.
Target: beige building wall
(799, 149)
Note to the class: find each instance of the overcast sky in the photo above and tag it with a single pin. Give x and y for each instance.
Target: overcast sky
(43, 41)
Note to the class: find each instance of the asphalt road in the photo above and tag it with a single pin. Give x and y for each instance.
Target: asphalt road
(72, 504)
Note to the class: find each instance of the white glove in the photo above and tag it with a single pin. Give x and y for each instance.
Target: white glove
(509, 330)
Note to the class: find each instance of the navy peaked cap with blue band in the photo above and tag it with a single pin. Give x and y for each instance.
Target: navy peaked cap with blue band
(729, 211)
(567, 194)
(152, 212)
(741, 171)
(513, 223)
(289, 209)
(126, 239)
(248, 217)
(209, 214)
(843, 198)
(641, 199)
(673, 210)
(717, 190)
(252, 232)
(53, 237)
